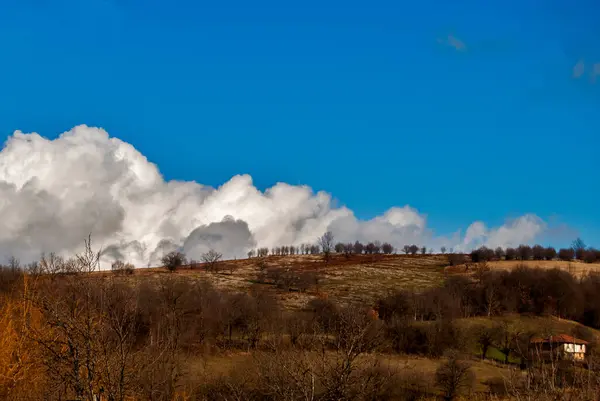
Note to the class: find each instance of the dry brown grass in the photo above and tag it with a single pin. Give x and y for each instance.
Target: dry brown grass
(216, 366)
(577, 268)
(544, 325)
(361, 278)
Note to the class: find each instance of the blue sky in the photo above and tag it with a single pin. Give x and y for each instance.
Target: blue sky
(370, 102)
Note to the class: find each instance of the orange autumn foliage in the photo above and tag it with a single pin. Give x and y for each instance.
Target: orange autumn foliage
(19, 365)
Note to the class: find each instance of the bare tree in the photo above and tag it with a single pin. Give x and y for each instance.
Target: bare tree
(566, 254)
(211, 258)
(68, 335)
(538, 252)
(354, 332)
(505, 335)
(454, 377)
(358, 248)
(173, 260)
(52, 264)
(387, 248)
(406, 249)
(443, 249)
(88, 261)
(14, 264)
(591, 255)
(524, 252)
(549, 253)
(579, 247)
(510, 254)
(499, 253)
(326, 244)
(348, 250)
(484, 337)
(482, 254)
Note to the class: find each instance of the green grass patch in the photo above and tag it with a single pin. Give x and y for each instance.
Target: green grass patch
(494, 353)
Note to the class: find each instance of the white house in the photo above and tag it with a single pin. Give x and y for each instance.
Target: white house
(562, 346)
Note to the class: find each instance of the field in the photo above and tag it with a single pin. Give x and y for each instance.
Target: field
(362, 278)
(577, 268)
(213, 367)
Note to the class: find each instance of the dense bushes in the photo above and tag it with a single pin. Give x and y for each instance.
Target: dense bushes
(522, 290)
(537, 252)
(120, 267)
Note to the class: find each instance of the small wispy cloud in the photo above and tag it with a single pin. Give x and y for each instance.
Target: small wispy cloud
(595, 71)
(579, 69)
(454, 42)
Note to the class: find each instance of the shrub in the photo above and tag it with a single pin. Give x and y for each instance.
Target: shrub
(407, 338)
(455, 259)
(121, 268)
(325, 312)
(395, 306)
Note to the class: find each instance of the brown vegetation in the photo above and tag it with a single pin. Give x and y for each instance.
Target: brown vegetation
(295, 327)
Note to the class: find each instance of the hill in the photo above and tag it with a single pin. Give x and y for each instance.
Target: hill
(575, 267)
(294, 320)
(361, 278)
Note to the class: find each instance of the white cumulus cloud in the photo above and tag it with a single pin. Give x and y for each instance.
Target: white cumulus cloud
(53, 193)
(522, 230)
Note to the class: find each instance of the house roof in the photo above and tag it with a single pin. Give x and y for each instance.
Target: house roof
(559, 339)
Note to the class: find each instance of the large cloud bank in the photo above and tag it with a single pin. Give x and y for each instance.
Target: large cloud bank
(53, 193)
